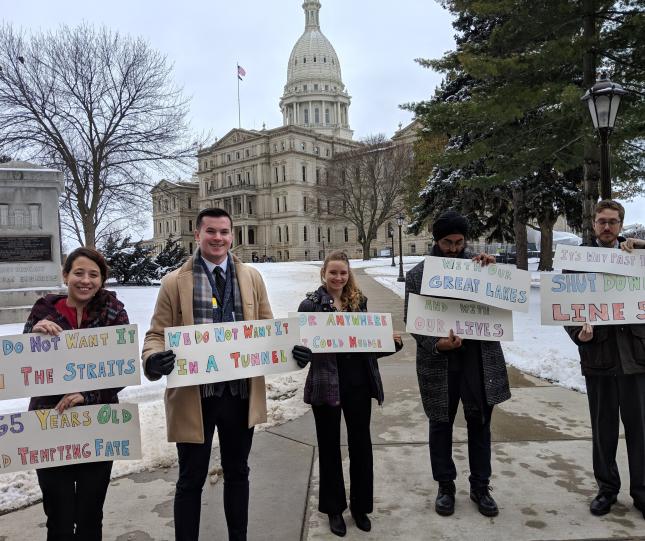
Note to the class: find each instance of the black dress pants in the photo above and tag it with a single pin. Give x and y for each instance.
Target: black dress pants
(356, 405)
(611, 397)
(73, 498)
(230, 415)
(479, 452)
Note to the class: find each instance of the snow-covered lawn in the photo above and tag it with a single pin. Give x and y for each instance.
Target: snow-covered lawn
(543, 351)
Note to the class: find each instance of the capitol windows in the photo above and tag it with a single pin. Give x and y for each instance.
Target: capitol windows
(237, 155)
(190, 204)
(304, 203)
(316, 150)
(250, 207)
(282, 145)
(317, 176)
(228, 157)
(317, 115)
(277, 204)
(304, 173)
(303, 146)
(284, 173)
(248, 177)
(275, 147)
(346, 232)
(230, 180)
(327, 115)
(247, 153)
(304, 87)
(314, 58)
(326, 87)
(275, 170)
(327, 152)
(284, 207)
(324, 59)
(190, 226)
(286, 232)
(304, 233)
(239, 179)
(315, 86)
(318, 235)
(306, 118)
(413, 249)
(304, 61)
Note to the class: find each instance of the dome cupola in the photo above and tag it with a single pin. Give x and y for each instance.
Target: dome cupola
(315, 96)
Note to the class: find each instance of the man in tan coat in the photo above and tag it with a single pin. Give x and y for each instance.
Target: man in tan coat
(212, 286)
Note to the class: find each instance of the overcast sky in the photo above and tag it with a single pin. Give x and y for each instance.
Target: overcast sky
(376, 42)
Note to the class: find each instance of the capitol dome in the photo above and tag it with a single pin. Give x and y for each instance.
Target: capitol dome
(315, 96)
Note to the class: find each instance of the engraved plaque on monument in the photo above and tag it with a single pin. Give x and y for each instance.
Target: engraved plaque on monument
(30, 259)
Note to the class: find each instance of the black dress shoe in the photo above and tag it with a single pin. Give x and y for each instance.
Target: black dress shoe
(362, 521)
(337, 525)
(444, 505)
(485, 503)
(601, 504)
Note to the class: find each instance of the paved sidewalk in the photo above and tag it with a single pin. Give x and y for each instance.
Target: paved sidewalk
(542, 475)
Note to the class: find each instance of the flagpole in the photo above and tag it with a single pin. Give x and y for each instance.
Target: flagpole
(239, 115)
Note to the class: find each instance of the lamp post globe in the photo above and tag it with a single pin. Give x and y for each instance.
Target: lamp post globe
(399, 221)
(603, 100)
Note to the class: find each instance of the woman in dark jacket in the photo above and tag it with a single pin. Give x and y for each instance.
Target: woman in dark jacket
(347, 382)
(73, 495)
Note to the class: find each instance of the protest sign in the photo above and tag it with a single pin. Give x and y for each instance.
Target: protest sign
(346, 332)
(592, 258)
(433, 316)
(226, 351)
(503, 286)
(74, 361)
(45, 438)
(599, 299)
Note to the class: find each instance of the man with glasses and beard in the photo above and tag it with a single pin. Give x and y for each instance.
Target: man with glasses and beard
(612, 359)
(453, 369)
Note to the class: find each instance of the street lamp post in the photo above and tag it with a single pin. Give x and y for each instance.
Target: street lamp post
(390, 233)
(399, 221)
(603, 100)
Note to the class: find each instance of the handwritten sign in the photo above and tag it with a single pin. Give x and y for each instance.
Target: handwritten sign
(346, 332)
(600, 299)
(74, 361)
(226, 351)
(432, 316)
(45, 438)
(503, 286)
(592, 258)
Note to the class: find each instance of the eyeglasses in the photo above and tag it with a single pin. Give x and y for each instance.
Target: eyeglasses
(612, 223)
(452, 244)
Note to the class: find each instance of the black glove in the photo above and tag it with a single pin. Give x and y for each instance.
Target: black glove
(161, 363)
(302, 355)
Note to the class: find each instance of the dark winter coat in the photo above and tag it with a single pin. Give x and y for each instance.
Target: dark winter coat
(432, 365)
(322, 386)
(613, 349)
(104, 310)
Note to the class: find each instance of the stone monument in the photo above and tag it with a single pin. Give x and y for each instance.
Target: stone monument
(30, 253)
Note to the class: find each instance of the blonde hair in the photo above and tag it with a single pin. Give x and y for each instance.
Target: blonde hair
(351, 296)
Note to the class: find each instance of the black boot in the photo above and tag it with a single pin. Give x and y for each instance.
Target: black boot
(601, 504)
(362, 521)
(485, 503)
(444, 505)
(337, 525)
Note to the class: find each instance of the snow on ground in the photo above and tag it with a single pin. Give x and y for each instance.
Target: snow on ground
(546, 352)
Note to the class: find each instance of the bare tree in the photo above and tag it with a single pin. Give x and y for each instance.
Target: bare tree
(99, 106)
(366, 185)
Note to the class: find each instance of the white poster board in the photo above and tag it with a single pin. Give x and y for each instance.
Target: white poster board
(346, 332)
(226, 351)
(503, 286)
(594, 259)
(599, 299)
(434, 316)
(45, 438)
(80, 360)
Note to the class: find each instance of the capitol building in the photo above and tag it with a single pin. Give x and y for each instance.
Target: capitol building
(269, 180)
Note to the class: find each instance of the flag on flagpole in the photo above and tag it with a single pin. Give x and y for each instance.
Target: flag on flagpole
(240, 72)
